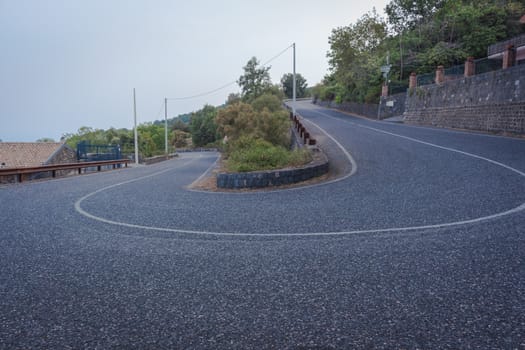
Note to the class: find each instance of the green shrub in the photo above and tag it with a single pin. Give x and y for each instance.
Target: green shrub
(253, 154)
(269, 101)
(241, 119)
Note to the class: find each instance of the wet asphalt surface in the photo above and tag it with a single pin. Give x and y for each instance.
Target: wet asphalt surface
(374, 260)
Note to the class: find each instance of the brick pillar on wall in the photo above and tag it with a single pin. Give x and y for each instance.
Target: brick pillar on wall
(509, 57)
(412, 82)
(440, 74)
(384, 90)
(470, 67)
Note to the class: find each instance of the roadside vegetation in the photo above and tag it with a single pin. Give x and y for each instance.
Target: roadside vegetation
(255, 127)
(252, 128)
(151, 138)
(417, 35)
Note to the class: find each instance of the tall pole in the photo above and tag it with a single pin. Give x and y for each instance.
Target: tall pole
(294, 83)
(136, 134)
(166, 126)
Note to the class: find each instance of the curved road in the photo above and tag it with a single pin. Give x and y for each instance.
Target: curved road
(419, 243)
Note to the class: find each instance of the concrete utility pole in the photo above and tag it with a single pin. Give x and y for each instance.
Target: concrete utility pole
(166, 126)
(294, 83)
(136, 134)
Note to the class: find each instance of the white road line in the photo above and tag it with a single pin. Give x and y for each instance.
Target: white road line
(351, 160)
(515, 210)
(346, 153)
(427, 143)
(210, 168)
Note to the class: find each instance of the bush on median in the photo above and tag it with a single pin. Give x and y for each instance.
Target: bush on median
(254, 154)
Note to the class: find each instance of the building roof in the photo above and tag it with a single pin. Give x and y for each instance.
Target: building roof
(27, 154)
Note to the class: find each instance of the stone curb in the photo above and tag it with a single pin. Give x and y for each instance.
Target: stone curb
(279, 177)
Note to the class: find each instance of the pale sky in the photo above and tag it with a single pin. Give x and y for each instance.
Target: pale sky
(70, 63)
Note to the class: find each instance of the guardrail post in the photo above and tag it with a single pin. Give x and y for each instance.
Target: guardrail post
(412, 83)
(509, 56)
(440, 74)
(470, 67)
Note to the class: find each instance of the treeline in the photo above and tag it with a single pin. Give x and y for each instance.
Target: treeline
(417, 36)
(201, 128)
(252, 128)
(151, 138)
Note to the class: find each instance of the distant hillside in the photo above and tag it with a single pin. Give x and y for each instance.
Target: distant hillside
(185, 118)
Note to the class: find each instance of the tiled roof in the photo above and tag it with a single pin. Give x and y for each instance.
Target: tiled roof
(27, 154)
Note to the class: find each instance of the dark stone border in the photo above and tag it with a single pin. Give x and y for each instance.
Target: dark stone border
(279, 177)
(157, 159)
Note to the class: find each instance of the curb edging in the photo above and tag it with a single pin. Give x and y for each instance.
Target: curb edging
(279, 177)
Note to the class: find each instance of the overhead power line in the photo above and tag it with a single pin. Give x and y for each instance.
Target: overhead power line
(202, 94)
(277, 56)
(228, 84)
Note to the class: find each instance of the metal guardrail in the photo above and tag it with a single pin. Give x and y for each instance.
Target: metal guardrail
(21, 173)
(485, 65)
(455, 72)
(426, 79)
(497, 48)
(482, 65)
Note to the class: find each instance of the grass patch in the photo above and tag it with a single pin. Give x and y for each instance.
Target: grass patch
(252, 154)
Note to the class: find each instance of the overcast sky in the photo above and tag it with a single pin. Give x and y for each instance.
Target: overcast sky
(67, 63)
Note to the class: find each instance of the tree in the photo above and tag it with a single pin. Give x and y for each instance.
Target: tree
(203, 127)
(179, 138)
(233, 98)
(472, 26)
(235, 120)
(254, 81)
(178, 124)
(421, 35)
(355, 58)
(300, 85)
(151, 139)
(264, 119)
(268, 101)
(409, 14)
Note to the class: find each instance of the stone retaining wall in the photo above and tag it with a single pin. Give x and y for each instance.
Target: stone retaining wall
(157, 159)
(260, 179)
(507, 117)
(492, 102)
(364, 109)
(393, 105)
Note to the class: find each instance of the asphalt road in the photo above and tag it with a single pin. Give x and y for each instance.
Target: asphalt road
(419, 244)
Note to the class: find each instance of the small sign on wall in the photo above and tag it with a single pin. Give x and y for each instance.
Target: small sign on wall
(390, 103)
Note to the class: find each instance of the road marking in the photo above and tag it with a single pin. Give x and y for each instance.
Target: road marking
(346, 153)
(210, 168)
(427, 143)
(515, 210)
(351, 160)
